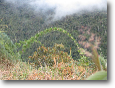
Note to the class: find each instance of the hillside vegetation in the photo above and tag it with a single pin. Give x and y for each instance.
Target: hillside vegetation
(34, 47)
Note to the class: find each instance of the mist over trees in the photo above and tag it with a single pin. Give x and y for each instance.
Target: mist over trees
(23, 22)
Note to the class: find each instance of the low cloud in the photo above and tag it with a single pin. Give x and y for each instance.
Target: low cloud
(63, 7)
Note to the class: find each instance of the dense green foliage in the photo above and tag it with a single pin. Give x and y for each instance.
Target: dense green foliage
(51, 46)
(23, 23)
(7, 48)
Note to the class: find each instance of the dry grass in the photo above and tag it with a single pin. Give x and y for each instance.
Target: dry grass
(59, 71)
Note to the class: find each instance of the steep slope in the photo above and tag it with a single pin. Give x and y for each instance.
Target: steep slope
(23, 23)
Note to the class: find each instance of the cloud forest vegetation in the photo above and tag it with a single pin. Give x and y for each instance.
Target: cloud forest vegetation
(34, 47)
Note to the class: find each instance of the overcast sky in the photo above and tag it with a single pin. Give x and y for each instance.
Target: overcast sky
(64, 7)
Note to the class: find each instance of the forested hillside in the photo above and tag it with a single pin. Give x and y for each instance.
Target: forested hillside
(23, 23)
(34, 46)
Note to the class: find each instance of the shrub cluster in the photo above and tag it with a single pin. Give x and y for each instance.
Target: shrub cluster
(50, 56)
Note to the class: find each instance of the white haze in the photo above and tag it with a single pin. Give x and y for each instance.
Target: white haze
(63, 7)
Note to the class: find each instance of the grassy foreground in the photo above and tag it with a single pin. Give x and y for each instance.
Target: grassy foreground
(59, 71)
